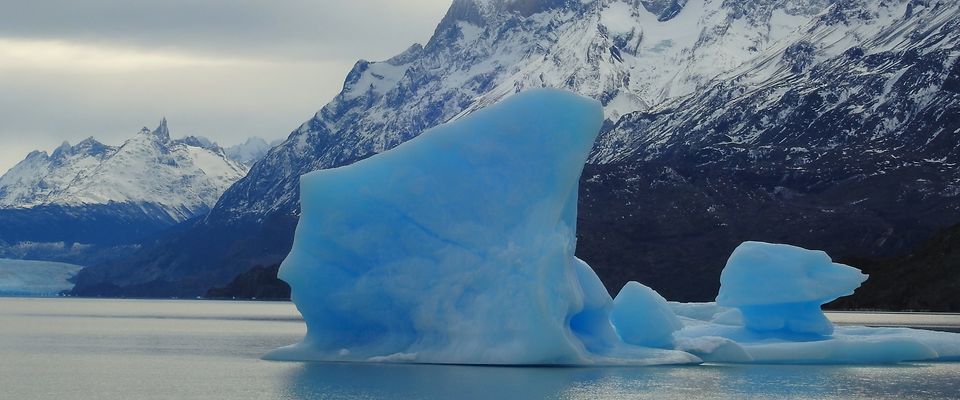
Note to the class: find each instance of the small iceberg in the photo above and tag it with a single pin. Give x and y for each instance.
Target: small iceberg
(768, 311)
(457, 247)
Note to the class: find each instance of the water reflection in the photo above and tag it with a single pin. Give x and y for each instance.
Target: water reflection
(361, 381)
(318, 381)
(120, 350)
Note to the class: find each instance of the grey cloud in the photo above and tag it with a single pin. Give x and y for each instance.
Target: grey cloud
(284, 28)
(300, 52)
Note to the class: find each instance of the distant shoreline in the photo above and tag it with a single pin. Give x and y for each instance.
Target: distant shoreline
(937, 321)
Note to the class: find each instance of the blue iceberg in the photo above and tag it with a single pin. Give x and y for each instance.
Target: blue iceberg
(458, 247)
(768, 311)
(779, 287)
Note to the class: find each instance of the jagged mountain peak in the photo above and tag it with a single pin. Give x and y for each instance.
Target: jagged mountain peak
(180, 178)
(476, 10)
(161, 132)
(64, 150)
(86, 147)
(199, 141)
(162, 128)
(89, 142)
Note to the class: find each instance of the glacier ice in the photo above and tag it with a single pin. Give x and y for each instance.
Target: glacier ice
(35, 278)
(768, 311)
(779, 287)
(642, 317)
(458, 247)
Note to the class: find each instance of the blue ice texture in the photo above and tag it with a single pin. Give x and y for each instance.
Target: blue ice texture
(779, 287)
(457, 247)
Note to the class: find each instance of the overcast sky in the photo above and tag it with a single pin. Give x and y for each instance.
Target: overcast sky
(224, 69)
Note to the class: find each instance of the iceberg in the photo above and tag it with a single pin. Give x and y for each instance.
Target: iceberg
(457, 247)
(642, 317)
(778, 287)
(768, 311)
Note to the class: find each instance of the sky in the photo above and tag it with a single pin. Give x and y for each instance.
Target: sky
(223, 69)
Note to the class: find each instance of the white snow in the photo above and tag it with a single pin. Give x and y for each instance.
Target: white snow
(469, 31)
(618, 18)
(250, 151)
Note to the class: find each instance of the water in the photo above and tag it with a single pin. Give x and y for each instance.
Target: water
(934, 321)
(132, 349)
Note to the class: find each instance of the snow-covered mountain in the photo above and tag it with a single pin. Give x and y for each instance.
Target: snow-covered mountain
(250, 151)
(69, 204)
(726, 118)
(482, 51)
(39, 176)
(878, 72)
(183, 177)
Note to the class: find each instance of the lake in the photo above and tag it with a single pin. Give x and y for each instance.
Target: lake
(82, 349)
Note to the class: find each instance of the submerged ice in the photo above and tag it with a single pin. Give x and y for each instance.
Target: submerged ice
(458, 247)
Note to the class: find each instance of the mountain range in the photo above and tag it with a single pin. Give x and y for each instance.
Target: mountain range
(88, 201)
(831, 124)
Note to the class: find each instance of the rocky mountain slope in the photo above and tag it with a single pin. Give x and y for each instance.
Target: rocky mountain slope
(934, 267)
(830, 124)
(95, 194)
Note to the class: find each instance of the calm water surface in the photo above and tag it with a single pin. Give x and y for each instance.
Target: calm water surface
(131, 349)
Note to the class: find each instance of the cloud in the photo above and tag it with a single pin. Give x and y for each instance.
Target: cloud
(31, 55)
(223, 69)
(282, 28)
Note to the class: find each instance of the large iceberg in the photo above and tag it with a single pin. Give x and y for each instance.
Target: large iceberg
(458, 247)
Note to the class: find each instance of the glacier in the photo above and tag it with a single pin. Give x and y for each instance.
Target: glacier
(457, 247)
(28, 278)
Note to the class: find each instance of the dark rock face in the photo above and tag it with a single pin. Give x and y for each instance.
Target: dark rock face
(799, 55)
(113, 224)
(83, 235)
(665, 10)
(258, 283)
(926, 279)
(222, 250)
(672, 227)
